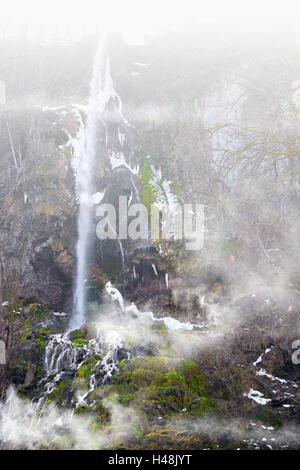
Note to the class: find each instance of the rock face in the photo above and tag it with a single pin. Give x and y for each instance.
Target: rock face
(111, 254)
(38, 266)
(231, 355)
(38, 211)
(146, 153)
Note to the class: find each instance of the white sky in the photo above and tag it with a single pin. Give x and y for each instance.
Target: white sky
(135, 18)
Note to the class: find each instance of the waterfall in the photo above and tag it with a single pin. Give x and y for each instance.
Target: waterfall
(86, 155)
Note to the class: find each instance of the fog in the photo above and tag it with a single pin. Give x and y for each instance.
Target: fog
(135, 342)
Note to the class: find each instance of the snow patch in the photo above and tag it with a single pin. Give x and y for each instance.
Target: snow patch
(257, 397)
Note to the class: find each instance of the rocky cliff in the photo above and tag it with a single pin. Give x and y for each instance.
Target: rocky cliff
(196, 345)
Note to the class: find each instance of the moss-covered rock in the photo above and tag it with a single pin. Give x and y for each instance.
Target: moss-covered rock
(162, 386)
(79, 337)
(89, 367)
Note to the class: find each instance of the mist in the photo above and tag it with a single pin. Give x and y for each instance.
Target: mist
(117, 340)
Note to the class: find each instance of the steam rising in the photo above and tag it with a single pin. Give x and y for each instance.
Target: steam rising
(24, 426)
(226, 130)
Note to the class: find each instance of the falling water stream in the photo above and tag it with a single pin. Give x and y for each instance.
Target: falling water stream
(85, 183)
(101, 93)
(63, 357)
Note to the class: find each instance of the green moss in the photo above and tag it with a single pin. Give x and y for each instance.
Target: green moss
(42, 338)
(37, 310)
(132, 340)
(148, 196)
(88, 369)
(161, 386)
(41, 343)
(170, 438)
(44, 331)
(159, 327)
(122, 364)
(25, 338)
(97, 394)
(79, 343)
(79, 338)
(80, 384)
(58, 395)
(84, 408)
